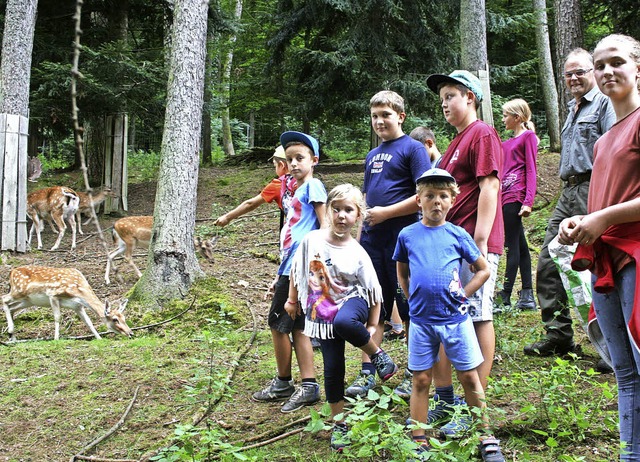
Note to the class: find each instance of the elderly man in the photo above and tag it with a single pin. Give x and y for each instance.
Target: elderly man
(590, 116)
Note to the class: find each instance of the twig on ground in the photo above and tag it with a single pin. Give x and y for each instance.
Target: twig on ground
(102, 459)
(111, 431)
(270, 432)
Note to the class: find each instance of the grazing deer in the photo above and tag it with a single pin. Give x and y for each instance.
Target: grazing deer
(57, 203)
(85, 205)
(129, 232)
(59, 287)
(34, 169)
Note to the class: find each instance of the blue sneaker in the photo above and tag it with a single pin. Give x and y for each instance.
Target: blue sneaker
(339, 439)
(361, 385)
(440, 412)
(457, 427)
(404, 388)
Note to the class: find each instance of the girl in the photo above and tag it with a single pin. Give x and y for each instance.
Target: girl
(609, 235)
(333, 278)
(518, 192)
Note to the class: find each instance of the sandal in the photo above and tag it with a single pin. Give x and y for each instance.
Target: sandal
(490, 450)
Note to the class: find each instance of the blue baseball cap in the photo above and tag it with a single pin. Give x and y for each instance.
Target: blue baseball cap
(310, 141)
(436, 175)
(462, 77)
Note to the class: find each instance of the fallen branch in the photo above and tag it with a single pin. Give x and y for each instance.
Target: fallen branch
(110, 432)
(102, 459)
(272, 440)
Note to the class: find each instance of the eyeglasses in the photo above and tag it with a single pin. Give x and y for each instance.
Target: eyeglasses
(577, 73)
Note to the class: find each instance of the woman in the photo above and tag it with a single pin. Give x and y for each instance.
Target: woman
(518, 193)
(609, 235)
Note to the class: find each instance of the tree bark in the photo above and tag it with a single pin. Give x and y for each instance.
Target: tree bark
(207, 157)
(17, 45)
(227, 63)
(473, 35)
(568, 25)
(545, 72)
(172, 265)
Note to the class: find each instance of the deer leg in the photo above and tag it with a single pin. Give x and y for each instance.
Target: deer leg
(62, 226)
(7, 312)
(82, 314)
(79, 222)
(35, 225)
(128, 255)
(72, 224)
(55, 306)
(112, 255)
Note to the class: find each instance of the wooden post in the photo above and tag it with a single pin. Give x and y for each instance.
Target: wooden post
(485, 112)
(14, 135)
(115, 162)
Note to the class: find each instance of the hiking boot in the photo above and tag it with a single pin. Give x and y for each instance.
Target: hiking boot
(404, 388)
(490, 450)
(501, 301)
(361, 385)
(395, 334)
(457, 427)
(548, 347)
(422, 451)
(526, 300)
(440, 412)
(339, 439)
(306, 395)
(384, 365)
(603, 367)
(278, 390)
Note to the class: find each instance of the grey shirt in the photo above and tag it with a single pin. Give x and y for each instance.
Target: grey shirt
(581, 130)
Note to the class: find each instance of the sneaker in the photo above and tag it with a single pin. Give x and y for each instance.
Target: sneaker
(387, 326)
(361, 385)
(339, 439)
(440, 412)
(278, 390)
(457, 427)
(384, 365)
(404, 388)
(549, 347)
(315, 343)
(422, 451)
(306, 395)
(393, 334)
(490, 450)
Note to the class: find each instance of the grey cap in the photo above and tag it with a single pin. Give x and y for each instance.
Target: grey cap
(436, 175)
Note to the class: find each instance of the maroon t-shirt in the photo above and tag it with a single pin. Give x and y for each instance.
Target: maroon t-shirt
(474, 153)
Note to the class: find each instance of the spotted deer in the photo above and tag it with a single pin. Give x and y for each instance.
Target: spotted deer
(59, 287)
(57, 203)
(85, 205)
(128, 233)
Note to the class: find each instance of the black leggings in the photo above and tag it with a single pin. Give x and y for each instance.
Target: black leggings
(349, 326)
(515, 242)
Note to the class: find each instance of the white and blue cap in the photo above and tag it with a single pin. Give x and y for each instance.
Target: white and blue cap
(461, 77)
(310, 141)
(436, 175)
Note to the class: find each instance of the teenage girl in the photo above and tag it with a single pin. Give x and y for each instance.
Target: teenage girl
(609, 235)
(333, 279)
(518, 193)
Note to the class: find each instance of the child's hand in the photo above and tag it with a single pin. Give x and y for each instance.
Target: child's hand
(292, 309)
(268, 295)
(525, 211)
(222, 221)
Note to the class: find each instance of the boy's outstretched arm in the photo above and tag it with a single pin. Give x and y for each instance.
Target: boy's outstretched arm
(246, 207)
(487, 203)
(480, 276)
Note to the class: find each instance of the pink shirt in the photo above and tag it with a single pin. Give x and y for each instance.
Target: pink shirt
(519, 169)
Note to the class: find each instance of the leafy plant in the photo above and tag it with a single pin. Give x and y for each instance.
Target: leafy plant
(143, 165)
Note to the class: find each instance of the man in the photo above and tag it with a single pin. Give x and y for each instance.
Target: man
(590, 116)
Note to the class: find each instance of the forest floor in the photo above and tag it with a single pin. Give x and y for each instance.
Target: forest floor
(58, 396)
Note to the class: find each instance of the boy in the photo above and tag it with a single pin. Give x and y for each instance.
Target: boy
(391, 170)
(428, 138)
(474, 159)
(306, 213)
(280, 190)
(429, 258)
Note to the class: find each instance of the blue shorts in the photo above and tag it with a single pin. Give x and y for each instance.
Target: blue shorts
(459, 340)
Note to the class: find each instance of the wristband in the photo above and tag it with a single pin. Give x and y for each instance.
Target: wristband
(292, 302)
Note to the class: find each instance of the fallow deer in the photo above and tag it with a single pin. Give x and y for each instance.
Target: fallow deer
(57, 203)
(128, 233)
(59, 287)
(85, 205)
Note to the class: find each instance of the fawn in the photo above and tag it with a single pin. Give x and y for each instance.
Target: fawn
(57, 203)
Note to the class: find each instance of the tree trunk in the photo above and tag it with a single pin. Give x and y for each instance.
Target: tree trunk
(473, 35)
(17, 45)
(545, 71)
(172, 265)
(207, 157)
(568, 22)
(227, 63)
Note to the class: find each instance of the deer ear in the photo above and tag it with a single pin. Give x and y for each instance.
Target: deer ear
(123, 305)
(107, 308)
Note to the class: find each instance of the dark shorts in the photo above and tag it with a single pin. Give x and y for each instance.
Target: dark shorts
(279, 319)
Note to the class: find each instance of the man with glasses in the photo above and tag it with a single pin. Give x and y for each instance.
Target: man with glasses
(590, 116)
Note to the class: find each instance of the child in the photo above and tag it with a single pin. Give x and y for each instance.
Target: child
(429, 258)
(474, 158)
(334, 280)
(280, 190)
(306, 213)
(428, 138)
(391, 170)
(518, 193)
(609, 235)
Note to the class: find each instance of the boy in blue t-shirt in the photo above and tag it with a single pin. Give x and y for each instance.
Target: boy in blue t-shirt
(391, 170)
(429, 255)
(307, 212)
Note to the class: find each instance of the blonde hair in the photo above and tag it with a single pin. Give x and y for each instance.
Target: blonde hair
(632, 47)
(348, 191)
(452, 186)
(388, 98)
(519, 107)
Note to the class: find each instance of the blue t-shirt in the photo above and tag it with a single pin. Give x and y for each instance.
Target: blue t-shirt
(301, 218)
(434, 255)
(390, 174)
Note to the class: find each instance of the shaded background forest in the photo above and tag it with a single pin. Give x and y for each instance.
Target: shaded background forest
(275, 65)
